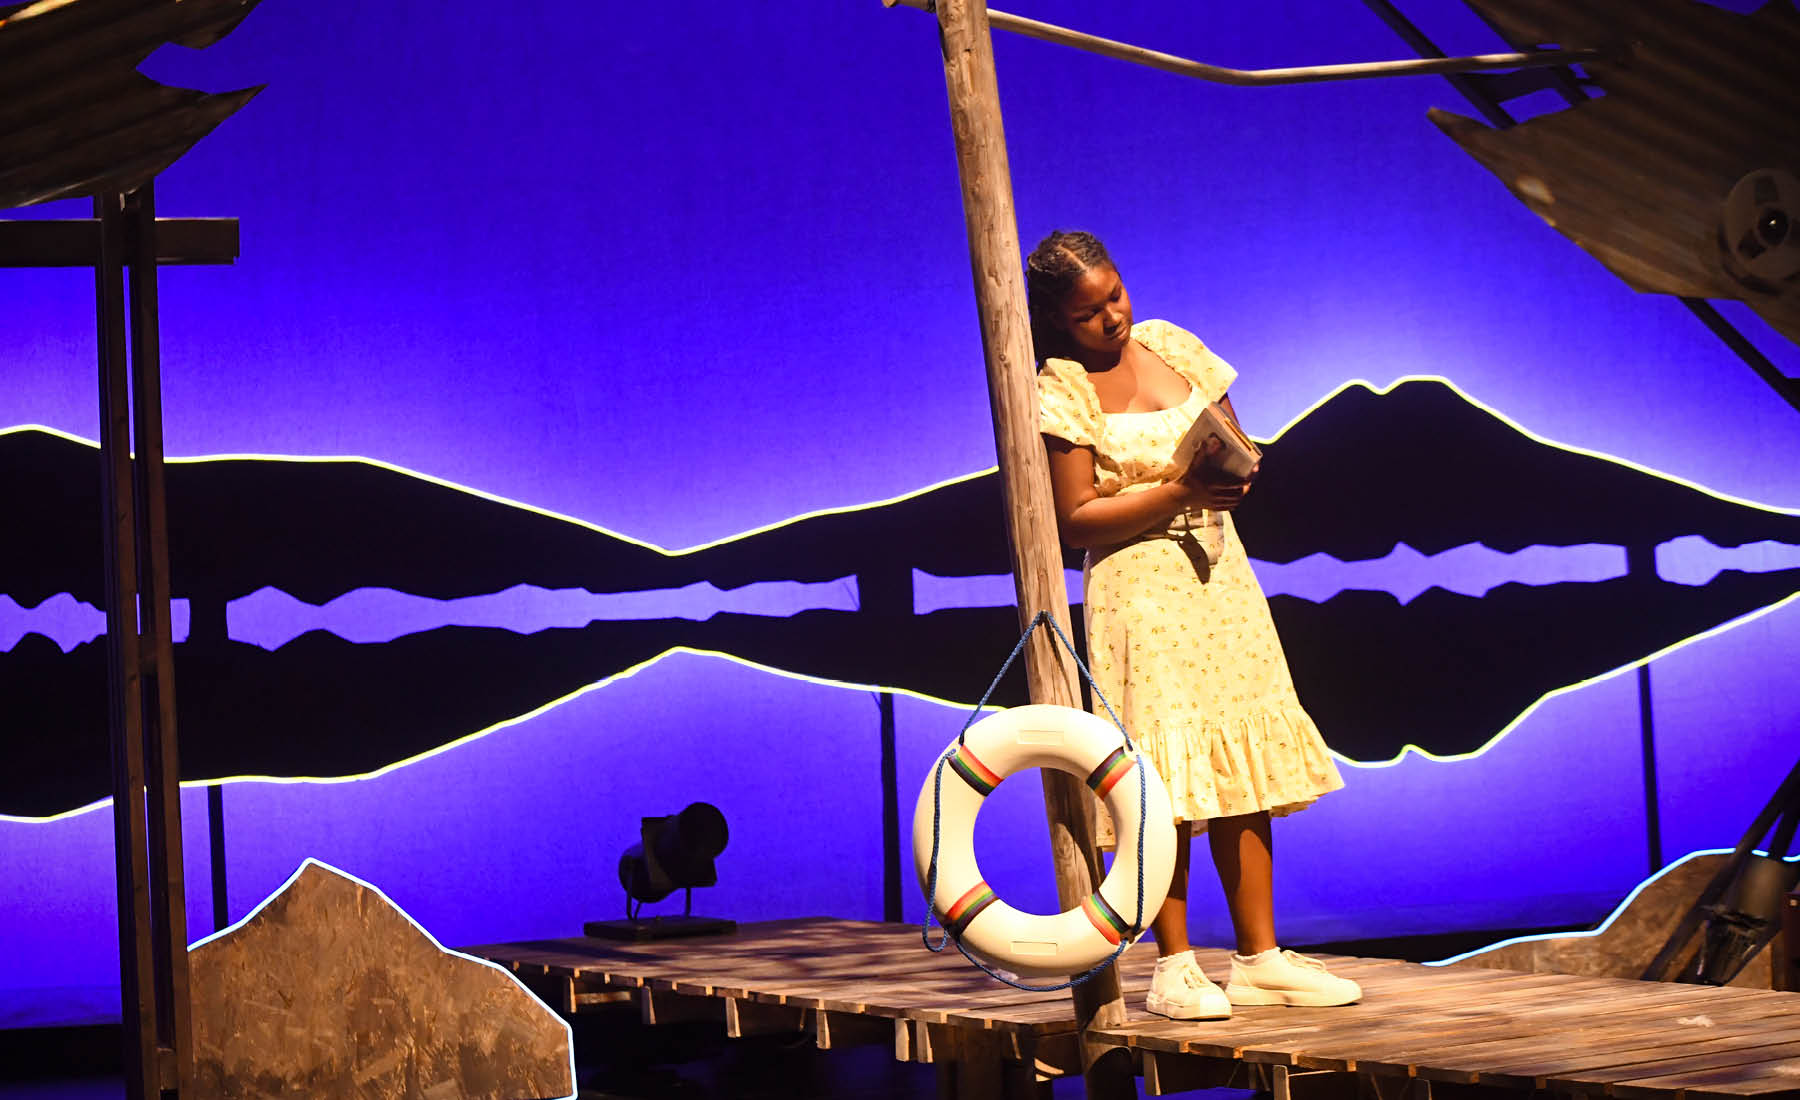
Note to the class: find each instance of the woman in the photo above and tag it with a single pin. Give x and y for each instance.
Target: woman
(1179, 634)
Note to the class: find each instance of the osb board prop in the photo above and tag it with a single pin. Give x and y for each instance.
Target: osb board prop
(1628, 944)
(330, 990)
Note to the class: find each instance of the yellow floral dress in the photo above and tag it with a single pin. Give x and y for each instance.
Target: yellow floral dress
(1179, 633)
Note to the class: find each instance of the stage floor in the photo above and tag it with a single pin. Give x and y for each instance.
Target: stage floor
(854, 982)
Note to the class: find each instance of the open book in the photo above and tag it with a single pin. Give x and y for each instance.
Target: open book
(1238, 453)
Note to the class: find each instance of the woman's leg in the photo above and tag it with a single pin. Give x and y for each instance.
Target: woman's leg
(1178, 988)
(1260, 975)
(1170, 922)
(1243, 853)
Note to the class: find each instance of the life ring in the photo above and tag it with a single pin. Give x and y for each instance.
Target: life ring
(1042, 736)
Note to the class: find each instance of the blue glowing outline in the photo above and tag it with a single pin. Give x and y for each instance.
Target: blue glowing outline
(514, 978)
(1617, 912)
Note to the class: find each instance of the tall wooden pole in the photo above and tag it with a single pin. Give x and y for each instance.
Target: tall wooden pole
(138, 988)
(1024, 471)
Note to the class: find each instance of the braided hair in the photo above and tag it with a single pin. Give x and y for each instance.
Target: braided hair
(1051, 271)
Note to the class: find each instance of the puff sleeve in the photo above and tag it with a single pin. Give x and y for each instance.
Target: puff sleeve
(1068, 407)
(1185, 352)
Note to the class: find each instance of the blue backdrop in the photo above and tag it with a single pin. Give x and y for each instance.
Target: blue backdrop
(694, 272)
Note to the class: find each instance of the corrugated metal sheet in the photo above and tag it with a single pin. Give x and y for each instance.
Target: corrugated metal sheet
(1695, 98)
(76, 117)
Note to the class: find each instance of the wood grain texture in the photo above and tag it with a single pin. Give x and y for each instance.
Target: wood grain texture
(1628, 944)
(995, 262)
(328, 990)
(1449, 1026)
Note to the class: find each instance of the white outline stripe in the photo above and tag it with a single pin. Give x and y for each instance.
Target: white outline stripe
(1397, 759)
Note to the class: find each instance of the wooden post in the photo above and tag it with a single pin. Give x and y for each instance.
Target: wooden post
(1024, 471)
(144, 1071)
(162, 772)
(153, 963)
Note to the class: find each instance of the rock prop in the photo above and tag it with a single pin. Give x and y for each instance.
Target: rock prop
(329, 990)
(1631, 941)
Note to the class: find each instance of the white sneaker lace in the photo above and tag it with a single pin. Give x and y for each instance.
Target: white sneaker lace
(1189, 976)
(1306, 961)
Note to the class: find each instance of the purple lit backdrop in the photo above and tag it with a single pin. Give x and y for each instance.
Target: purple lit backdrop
(706, 270)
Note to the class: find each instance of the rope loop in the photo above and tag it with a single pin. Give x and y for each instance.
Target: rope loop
(1086, 676)
(1137, 926)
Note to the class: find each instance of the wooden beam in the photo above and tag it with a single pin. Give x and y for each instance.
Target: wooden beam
(1024, 470)
(656, 1007)
(1166, 1072)
(836, 1030)
(162, 769)
(1786, 968)
(745, 1018)
(75, 242)
(138, 977)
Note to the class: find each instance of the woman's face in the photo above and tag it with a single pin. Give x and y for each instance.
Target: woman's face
(1096, 313)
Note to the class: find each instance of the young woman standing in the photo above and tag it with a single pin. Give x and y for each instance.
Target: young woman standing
(1179, 634)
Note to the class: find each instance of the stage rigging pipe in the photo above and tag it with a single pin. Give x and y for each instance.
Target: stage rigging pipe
(1306, 74)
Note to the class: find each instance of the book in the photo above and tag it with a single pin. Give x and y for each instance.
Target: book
(1238, 454)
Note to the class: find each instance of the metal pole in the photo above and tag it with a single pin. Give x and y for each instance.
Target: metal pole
(994, 256)
(1307, 74)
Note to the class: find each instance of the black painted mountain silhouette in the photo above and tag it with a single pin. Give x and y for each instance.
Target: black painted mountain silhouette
(1421, 464)
(1418, 464)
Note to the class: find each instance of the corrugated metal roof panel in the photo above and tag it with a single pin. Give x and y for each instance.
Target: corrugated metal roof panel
(75, 115)
(1695, 99)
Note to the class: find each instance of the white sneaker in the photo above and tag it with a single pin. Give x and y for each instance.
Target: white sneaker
(1287, 978)
(1181, 991)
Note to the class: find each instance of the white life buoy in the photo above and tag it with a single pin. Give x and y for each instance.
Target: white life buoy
(1041, 736)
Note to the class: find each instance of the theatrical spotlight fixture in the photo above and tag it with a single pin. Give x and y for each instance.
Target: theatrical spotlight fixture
(1740, 910)
(675, 853)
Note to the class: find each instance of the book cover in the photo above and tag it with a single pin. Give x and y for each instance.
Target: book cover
(1237, 455)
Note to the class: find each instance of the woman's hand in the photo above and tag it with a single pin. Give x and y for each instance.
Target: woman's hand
(1209, 487)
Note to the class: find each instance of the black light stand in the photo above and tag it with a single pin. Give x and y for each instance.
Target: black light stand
(1741, 908)
(674, 853)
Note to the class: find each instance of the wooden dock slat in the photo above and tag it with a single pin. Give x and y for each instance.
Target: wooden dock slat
(1778, 1080)
(1497, 1044)
(1690, 1059)
(864, 982)
(1653, 1034)
(1525, 1063)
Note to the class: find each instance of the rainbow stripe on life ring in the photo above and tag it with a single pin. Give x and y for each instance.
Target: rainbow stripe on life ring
(999, 746)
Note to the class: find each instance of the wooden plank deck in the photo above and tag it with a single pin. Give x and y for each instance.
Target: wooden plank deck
(848, 982)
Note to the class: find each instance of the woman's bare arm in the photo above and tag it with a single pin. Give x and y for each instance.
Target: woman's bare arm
(1086, 520)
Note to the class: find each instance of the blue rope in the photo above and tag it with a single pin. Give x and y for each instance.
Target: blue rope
(937, 821)
(1045, 617)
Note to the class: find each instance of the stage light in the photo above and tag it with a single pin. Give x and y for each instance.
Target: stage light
(1749, 917)
(1741, 908)
(673, 853)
